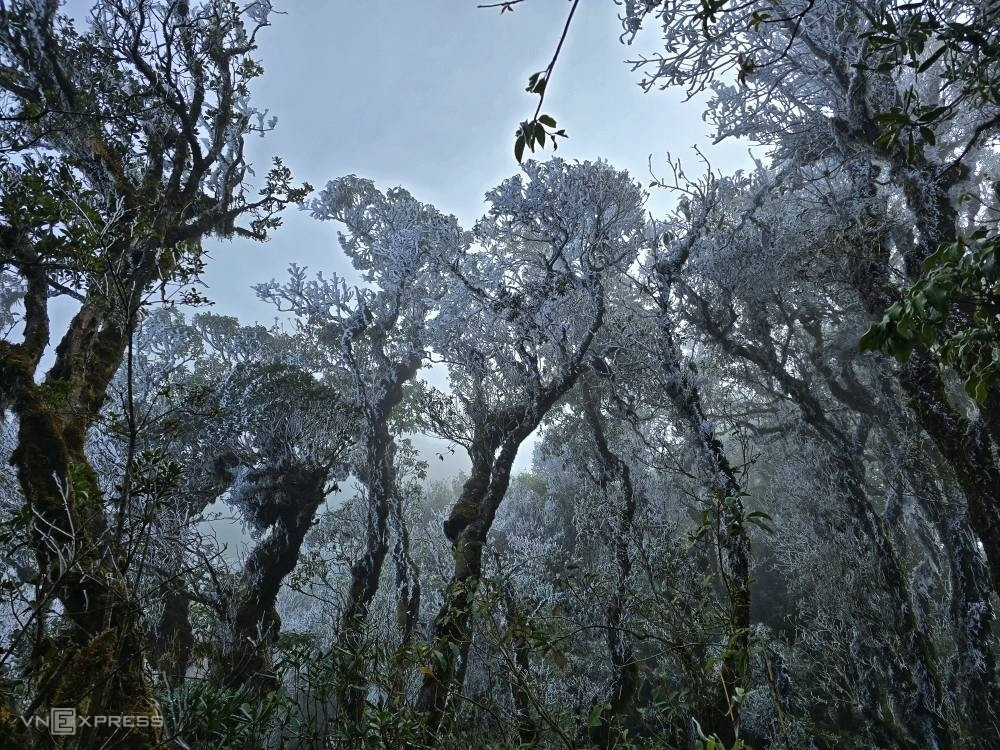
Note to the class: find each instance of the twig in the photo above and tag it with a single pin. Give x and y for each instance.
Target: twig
(552, 63)
(505, 6)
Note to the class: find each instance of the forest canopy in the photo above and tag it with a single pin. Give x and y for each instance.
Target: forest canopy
(763, 503)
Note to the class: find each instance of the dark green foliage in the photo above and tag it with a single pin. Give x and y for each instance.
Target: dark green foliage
(953, 311)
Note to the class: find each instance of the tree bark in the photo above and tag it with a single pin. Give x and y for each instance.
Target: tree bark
(379, 477)
(252, 621)
(625, 685)
(978, 681)
(96, 664)
(493, 451)
(731, 534)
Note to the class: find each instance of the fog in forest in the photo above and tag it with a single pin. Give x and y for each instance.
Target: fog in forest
(586, 374)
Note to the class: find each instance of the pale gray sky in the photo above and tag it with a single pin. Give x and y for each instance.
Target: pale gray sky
(427, 94)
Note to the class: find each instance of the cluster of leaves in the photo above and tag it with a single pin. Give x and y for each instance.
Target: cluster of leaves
(963, 39)
(534, 132)
(953, 310)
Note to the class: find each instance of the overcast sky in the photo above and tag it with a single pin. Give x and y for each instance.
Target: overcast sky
(427, 94)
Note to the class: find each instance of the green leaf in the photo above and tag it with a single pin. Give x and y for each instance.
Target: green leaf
(872, 340)
(892, 117)
(762, 525)
(932, 59)
(900, 348)
(761, 520)
(519, 148)
(594, 716)
(904, 327)
(936, 258)
(536, 83)
(935, 295)
(979, 390)
(547, 121)
(927, 334)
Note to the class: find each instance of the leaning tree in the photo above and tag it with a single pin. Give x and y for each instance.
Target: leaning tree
(520, 325)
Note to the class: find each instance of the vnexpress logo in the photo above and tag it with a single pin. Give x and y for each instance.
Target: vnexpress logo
(65, 721)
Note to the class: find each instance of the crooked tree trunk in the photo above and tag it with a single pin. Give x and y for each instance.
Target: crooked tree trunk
(96, 661)
(965, 445)
(408, 599)
(407, 577)
(615, 470)
(466, 529)
(252, 622)
(408, 593)
(379, 477)
(494, 448)
(173, 639)
(927, 188)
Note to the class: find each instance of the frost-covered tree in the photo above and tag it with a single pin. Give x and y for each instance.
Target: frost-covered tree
(376, 332)
(518, 329)
(122, 147)
(678, 378)
(211, 410)
(286, 434)
(894, 98)
(782, 301)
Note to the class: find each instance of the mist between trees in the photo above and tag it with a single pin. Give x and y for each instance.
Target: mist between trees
(763, 509)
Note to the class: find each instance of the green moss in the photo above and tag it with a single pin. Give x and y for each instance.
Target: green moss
(55, 393)
(12, 732)
(95, 670)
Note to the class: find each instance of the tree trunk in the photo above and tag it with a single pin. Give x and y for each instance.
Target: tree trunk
(966, 447)
(379, 477)
(625, 684)
(494, 448)
(971, 609)
(173, 638)
(528, 730)
(731, 535)
(253, 623)
(96, 663)
(466, 529)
